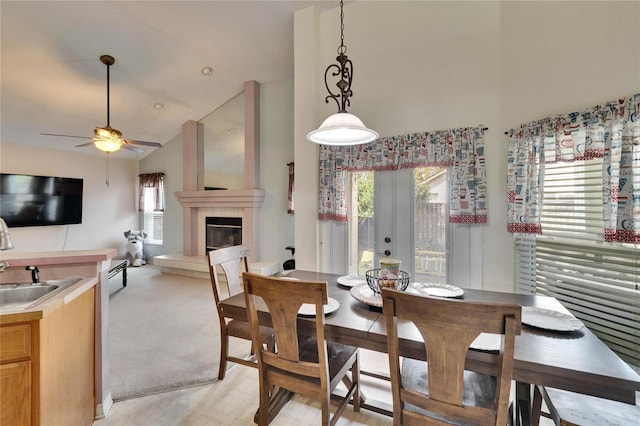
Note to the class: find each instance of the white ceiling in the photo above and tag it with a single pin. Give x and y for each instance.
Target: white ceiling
(52, 80)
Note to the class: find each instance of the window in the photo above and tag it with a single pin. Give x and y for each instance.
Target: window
(153, 219)
(151, 204)
(599, 282)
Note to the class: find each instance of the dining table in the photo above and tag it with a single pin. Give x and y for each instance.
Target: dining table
(576, 361)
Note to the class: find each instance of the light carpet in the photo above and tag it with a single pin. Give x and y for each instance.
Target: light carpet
(163, 333)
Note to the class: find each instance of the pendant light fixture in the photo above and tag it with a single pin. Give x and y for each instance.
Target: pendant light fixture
(341, 128)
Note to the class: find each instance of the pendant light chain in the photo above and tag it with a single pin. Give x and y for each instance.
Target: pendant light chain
(342, 49)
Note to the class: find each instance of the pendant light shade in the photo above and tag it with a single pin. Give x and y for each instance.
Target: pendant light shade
(342, 128)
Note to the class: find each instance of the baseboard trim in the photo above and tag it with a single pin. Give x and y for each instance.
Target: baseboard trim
(102, 409)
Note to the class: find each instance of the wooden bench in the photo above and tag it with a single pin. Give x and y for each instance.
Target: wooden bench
(117, 266)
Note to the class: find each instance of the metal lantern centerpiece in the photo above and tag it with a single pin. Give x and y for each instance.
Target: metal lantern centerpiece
(341, 128)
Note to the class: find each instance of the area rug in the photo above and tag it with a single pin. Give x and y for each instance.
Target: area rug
(163, 333)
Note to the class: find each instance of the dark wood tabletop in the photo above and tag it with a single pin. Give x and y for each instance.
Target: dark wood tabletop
(576, 361)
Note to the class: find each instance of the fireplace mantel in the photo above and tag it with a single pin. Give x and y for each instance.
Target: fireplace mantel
(249, 201)
(241, 198)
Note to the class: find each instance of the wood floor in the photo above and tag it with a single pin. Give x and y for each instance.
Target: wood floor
(233, 401)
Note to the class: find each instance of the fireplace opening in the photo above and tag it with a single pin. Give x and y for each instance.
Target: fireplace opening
(223, 232)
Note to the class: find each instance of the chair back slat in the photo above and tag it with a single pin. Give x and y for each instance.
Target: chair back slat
(284, 298)
(448, 327)
(233, 261)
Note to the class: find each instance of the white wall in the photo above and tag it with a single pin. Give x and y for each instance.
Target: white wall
(108, 211)
(276, 142)
(424, 66)
(167, 160)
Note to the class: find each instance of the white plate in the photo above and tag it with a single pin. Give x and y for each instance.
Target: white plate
(548, 319)
(351, 280)
(439, 290)
(487, 342)
(309, 309)
(364, 294)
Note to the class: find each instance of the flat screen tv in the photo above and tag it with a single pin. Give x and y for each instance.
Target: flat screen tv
(27, 200)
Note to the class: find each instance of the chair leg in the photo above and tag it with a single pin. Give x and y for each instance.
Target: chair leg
(326, 413)
(224, 347)
(355, 376)
(536, 406)
(265, 402)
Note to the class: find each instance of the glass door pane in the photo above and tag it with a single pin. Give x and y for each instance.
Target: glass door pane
(400, 214)
(362, 223)
(430, 224)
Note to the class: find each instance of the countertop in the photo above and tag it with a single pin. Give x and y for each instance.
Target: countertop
(56, 257)
(48, 306)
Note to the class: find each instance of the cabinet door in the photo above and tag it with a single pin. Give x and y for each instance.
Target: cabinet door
(15, 398)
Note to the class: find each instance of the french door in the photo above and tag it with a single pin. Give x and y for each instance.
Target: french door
(400, 214)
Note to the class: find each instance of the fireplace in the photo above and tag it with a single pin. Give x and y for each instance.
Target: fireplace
(222, 232)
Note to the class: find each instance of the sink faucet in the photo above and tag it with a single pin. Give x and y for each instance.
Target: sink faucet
(35, 278)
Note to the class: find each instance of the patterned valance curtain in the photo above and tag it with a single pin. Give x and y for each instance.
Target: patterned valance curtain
(462, 149)
(610, 131)
(155, 181)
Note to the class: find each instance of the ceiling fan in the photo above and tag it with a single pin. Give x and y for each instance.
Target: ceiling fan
(107, 138)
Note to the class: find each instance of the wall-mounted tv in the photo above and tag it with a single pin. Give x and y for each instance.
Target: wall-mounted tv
(27, 200)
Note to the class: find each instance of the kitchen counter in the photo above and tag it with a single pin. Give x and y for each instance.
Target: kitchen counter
(48, 306)
(93, 267)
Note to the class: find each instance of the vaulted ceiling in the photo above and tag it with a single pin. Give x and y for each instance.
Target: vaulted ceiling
(52, 80)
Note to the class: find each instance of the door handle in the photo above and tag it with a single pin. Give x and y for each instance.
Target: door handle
(387, 252)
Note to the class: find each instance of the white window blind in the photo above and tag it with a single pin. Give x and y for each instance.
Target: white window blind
(598, 282)
(153, 219)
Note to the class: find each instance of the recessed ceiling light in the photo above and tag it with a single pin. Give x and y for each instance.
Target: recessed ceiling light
(206, 71)
(158, 106)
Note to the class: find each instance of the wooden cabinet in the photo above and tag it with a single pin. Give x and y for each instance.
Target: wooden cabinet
(47, 366)
(15, 374)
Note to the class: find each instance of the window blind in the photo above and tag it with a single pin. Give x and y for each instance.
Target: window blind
(153, 226)
(153, 220)
(598, 282)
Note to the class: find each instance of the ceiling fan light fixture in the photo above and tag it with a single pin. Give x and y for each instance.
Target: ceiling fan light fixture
(108, 139)
(108, 145)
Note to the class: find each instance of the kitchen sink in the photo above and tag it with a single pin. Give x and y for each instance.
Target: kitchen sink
(24, 295)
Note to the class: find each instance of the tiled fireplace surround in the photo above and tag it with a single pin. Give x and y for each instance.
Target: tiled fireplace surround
(195, 265)
(197, 203)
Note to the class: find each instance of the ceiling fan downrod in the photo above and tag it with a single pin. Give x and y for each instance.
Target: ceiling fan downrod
(108, 60)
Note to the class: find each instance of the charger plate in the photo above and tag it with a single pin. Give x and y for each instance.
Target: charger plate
(351, 280)
(548, 319)
(362, 293)
(309, 309)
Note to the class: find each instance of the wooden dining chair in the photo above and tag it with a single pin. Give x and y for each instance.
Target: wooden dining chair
(441, 391)
(233, 261)
(573, 409)
(305, 365)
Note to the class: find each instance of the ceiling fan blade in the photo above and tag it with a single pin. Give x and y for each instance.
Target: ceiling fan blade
(135, 142)
(67, 136)
(133, 148)
(84, 144)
